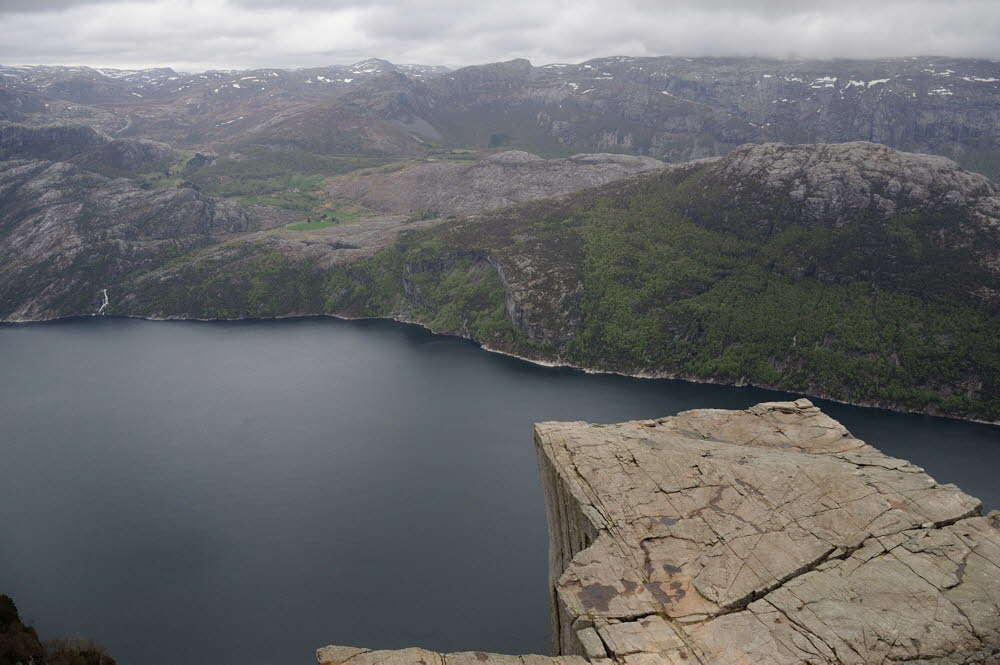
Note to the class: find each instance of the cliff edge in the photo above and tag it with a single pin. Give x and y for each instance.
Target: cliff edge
(770, 535)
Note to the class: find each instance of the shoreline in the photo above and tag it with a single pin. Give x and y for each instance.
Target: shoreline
(534, 361)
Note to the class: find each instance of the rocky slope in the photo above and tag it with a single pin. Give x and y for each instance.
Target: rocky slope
(454, 188)
(66, 235)
(48, 141)
(130, 156)
(683, 108)
(769, 535)
(848, 271)
(63, 223)
(670, 108)
(82, 144)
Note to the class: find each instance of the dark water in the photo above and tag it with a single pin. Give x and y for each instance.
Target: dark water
(236, 493)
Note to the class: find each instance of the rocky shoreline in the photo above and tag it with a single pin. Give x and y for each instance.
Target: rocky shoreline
(770, 535)
(542, 362)
(827, 282)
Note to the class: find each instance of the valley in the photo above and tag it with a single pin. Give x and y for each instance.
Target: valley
(499, 333)
(742, 221)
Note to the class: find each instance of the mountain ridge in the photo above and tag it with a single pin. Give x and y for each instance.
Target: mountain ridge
(637, 277)
(837, 268)
(670, 108)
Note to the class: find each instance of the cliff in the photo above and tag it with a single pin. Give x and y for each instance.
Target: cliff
(769, 535)
(672, 108)
(67, 234)
(849, 271)
(48, 141)
(92, 149)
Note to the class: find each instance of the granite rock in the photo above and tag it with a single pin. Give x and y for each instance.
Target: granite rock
(455, 188)
(770, 535)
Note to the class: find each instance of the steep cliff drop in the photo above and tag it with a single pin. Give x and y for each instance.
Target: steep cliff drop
(770, 535)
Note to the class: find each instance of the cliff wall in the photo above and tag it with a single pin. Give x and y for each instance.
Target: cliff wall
(770, 535)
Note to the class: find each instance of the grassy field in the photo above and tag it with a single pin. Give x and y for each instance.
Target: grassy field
(290, 180)
(263, 165)
(333, 213)
(155, 175)
(311, 226)
(286, 179)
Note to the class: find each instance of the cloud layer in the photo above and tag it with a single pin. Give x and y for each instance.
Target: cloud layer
(200, 34)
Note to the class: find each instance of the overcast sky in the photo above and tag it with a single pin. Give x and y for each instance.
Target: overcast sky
(200, 34)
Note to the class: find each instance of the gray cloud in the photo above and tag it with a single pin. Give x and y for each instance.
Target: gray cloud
(194, 34)
(41, 5)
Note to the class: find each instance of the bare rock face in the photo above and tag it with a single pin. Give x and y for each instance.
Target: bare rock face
(767, 535)
(851, 193)
(84, 145)
(66, 234)
(450, 188)
(135, 154)
(673, 108)
(834, 183)
(770, 535)
(48, 141)
(333, 655)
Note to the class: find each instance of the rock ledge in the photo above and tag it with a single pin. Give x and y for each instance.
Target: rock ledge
(770, 535)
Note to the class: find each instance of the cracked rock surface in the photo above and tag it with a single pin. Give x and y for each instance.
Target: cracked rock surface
(770, 535)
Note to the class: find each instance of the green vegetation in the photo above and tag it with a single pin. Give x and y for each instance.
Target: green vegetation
(507, 128)
(263, 164)
(986, 162)
(166, 179)
(154, 172)
(462, 296)
(668, 274)
(499, 140)
(20, 645)
(456, 154)
(238, 281)
(246, 187)
(392, 167)
(421, 215)
(312, 226)
(332, 213)
(286, 179)
(733, 304)
(671, 286)
(161, 174)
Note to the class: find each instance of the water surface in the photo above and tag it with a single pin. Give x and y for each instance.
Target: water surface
(232, 493)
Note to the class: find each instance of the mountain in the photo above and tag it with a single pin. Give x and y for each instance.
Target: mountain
(84, 145)
(819, 264)
(850, 271)
(446, 188)
(669, 108)
(67, 234)
(683, 108)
